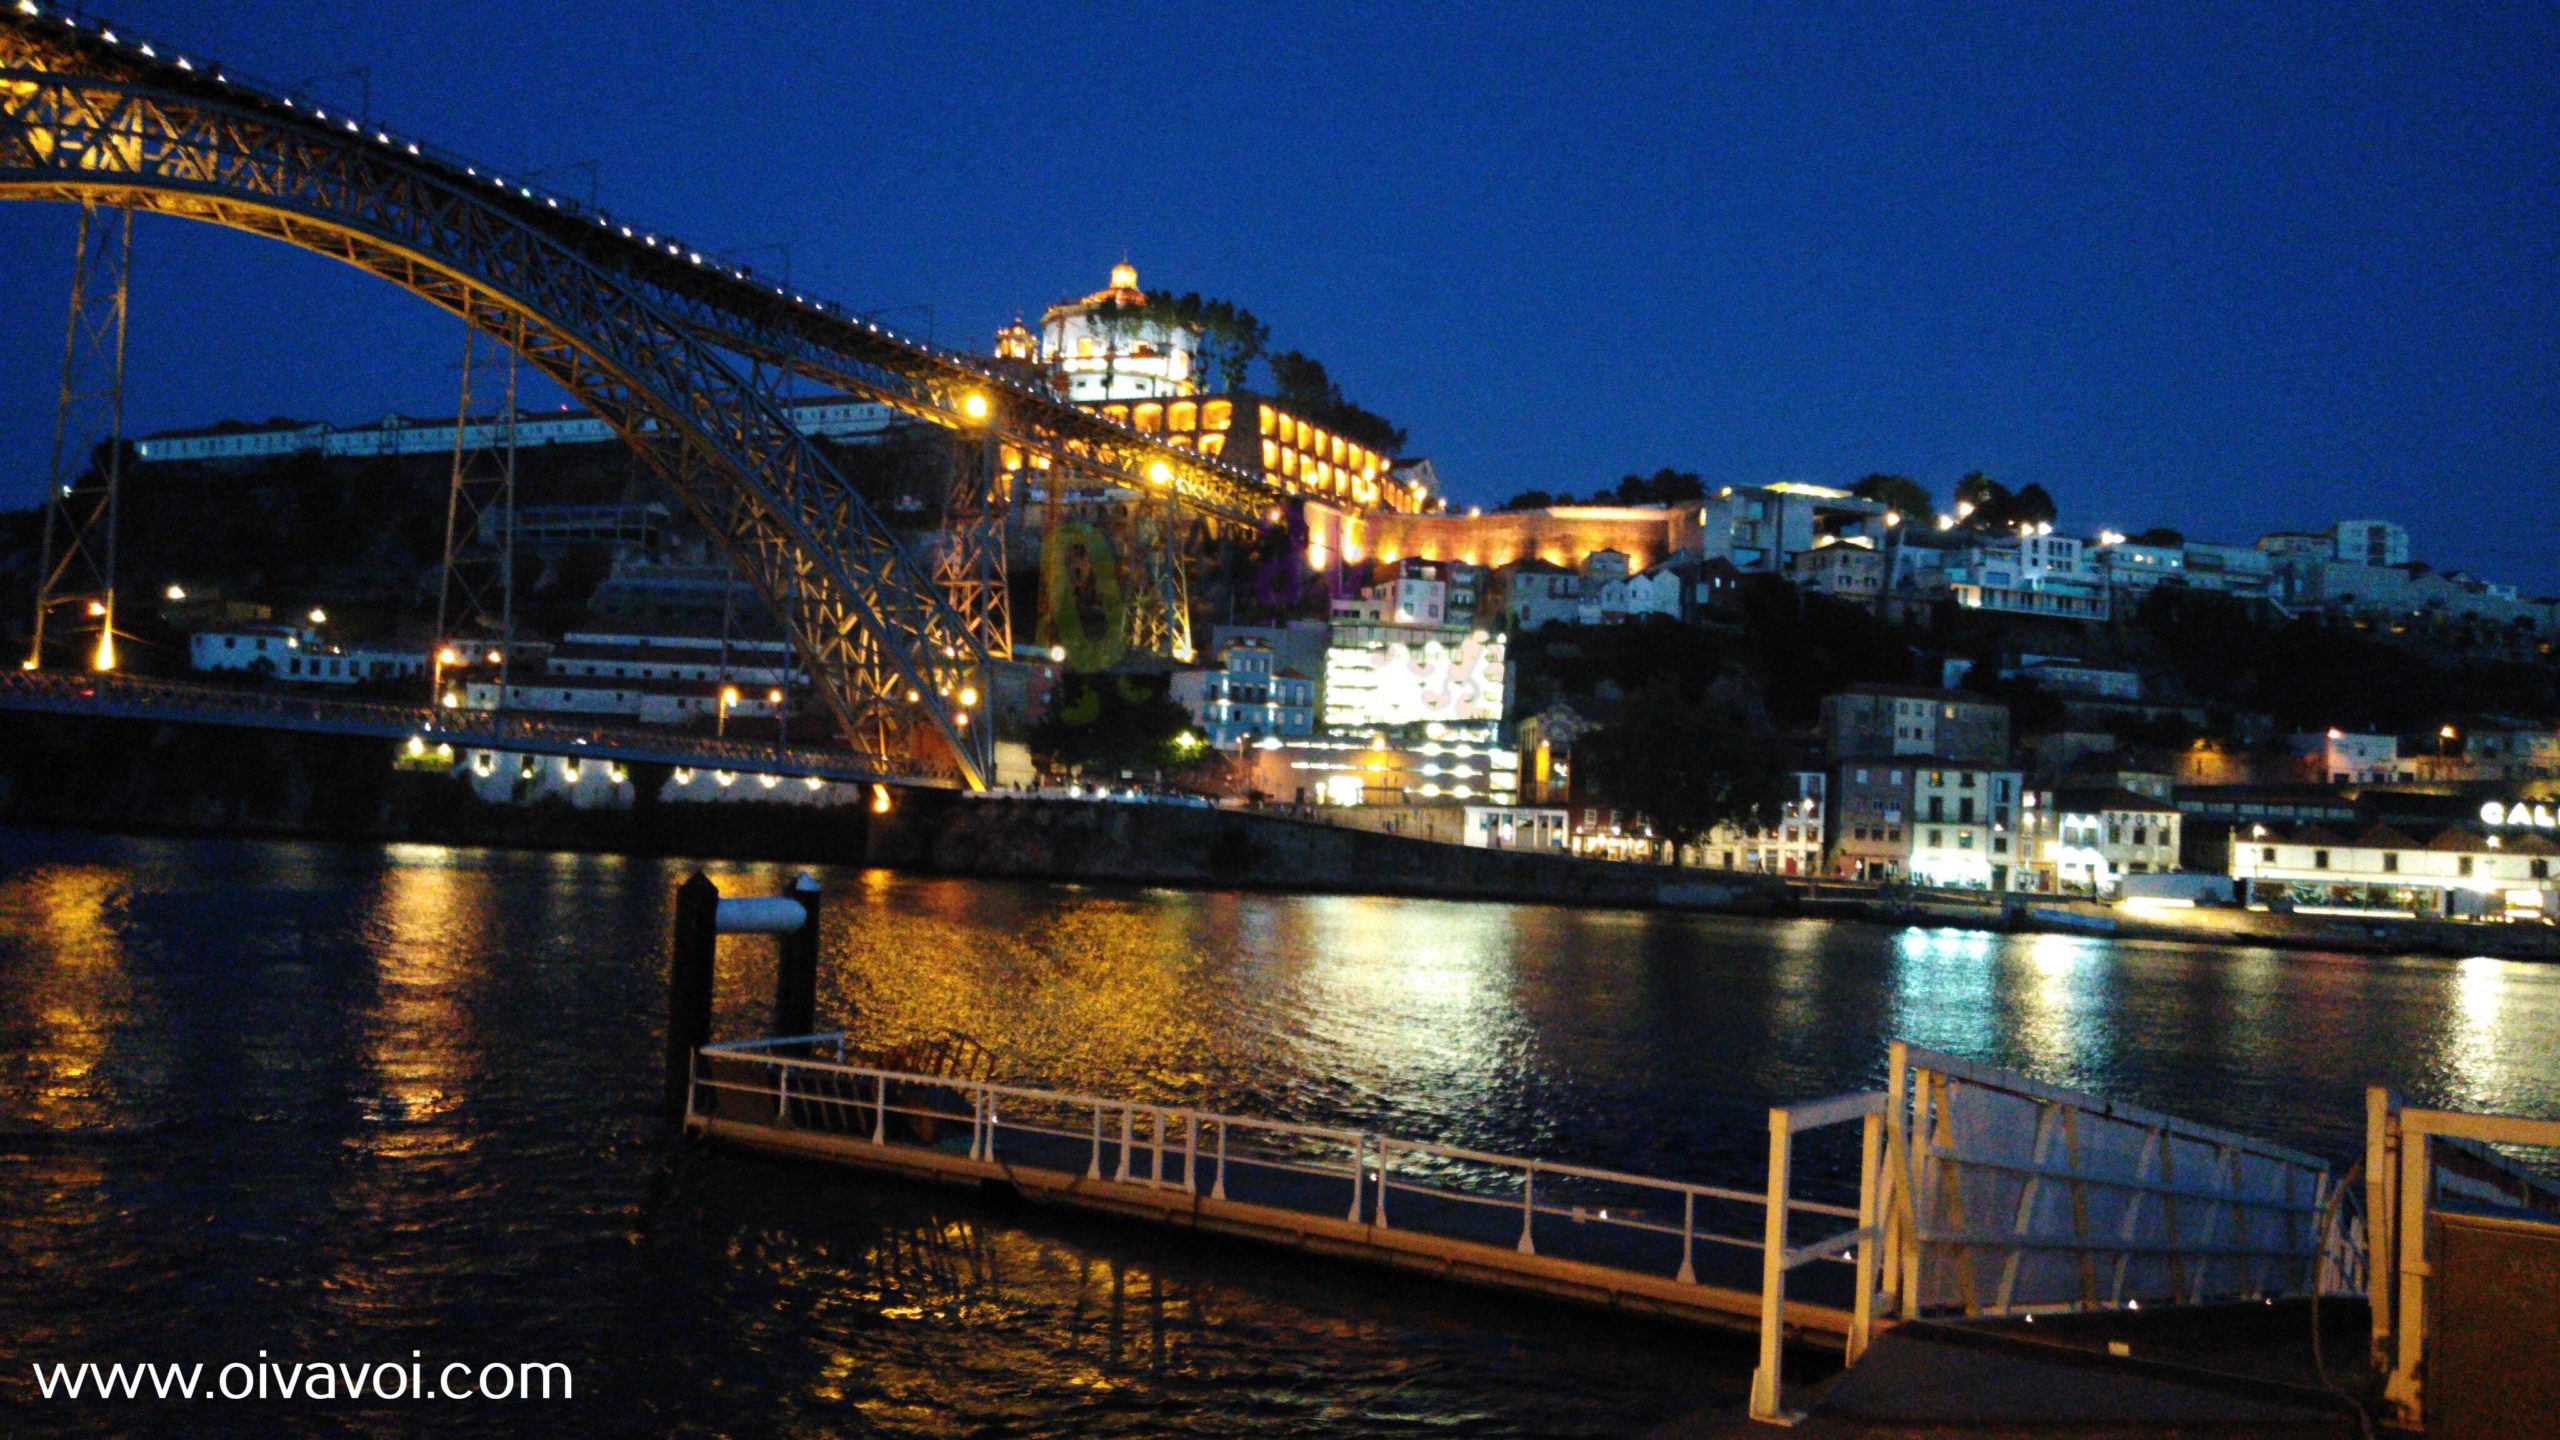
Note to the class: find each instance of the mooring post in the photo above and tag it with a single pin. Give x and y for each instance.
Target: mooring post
(795, 976)
(689, 984)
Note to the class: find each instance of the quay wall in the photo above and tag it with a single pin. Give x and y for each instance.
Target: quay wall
(161, 777)
(150, 776)
(1180, 845)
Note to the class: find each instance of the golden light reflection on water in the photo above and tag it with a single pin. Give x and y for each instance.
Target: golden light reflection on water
(416, 1089)
(77, 989)
(423, 931)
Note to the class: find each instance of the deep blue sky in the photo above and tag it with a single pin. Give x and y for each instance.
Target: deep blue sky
(2228, 268)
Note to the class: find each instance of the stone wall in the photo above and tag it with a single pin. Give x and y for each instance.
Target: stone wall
(1145, 844)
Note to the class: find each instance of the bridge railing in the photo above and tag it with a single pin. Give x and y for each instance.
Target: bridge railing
(141, 697)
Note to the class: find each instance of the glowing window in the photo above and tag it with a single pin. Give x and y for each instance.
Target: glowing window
(1288, 462)
(1084, 347)
(1217, 415)
(1183, 415)
(1213, 444)
(1338, 450)
(1270, 453)
(1306, 436)
(1150, 419)
(1267, 419)
(1116, 414)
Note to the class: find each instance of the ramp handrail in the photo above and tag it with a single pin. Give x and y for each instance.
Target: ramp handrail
(2413, 1158)
(2024, 1195)
(1863, 1243)
(1174, 1147)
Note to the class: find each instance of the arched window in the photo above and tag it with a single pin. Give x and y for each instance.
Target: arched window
(1182, 416)
(1217, 415)
(1150, 419)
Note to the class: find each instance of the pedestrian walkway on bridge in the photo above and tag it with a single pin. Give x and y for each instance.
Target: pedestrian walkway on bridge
(125, 697)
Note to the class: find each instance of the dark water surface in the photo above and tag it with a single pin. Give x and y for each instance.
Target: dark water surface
(345, 1103)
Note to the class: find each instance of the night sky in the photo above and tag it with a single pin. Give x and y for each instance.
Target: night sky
(2228, 268)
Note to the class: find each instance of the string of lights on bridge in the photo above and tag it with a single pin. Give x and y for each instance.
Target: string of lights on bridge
(974, 406)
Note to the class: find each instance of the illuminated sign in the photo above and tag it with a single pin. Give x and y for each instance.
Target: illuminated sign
(2519, 814)
(1412, 682)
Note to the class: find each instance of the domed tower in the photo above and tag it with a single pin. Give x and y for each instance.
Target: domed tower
(1111, 346)
(1016, 342)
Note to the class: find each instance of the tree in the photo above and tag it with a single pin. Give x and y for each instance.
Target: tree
(1900, 492)
(1686, 763)
(1230, 337)
(1300, 384)
(1988, 507)
(1114, 723)
(1532, 500)
(1663, 487)
(2160, 535)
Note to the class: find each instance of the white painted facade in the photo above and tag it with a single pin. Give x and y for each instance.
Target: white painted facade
(1098, 359)
(297, 655)
(2343, 757)
(1964, 826)
(2456, 870)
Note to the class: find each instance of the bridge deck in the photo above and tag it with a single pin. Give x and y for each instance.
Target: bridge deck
(1508, 1223)
(131, 698)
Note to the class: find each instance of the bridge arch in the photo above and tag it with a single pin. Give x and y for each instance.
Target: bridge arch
(898, 668)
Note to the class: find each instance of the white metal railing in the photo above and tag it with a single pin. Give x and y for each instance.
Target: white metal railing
(1978, 1189)
(1176, 1147)
(2025, 1196)
(2413, 1159)
(1862, 1246)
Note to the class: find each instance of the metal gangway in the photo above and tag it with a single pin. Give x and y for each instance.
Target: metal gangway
(1970, 1191)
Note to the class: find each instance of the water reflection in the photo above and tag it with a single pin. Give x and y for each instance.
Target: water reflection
(352, 1102)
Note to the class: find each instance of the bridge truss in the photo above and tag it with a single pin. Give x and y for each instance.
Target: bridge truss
(690, 359)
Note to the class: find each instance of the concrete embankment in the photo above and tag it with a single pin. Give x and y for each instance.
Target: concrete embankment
(1196, 846)
(2201, 926)
(189, 779)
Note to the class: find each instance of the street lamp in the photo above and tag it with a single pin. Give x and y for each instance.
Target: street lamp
(781, 717)
(728, 697)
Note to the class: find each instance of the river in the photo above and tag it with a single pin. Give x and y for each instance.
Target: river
(345, 1103)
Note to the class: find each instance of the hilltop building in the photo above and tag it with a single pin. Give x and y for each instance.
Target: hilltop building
(1099, 348)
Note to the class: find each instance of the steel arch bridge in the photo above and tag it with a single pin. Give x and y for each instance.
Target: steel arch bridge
(688, 358)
